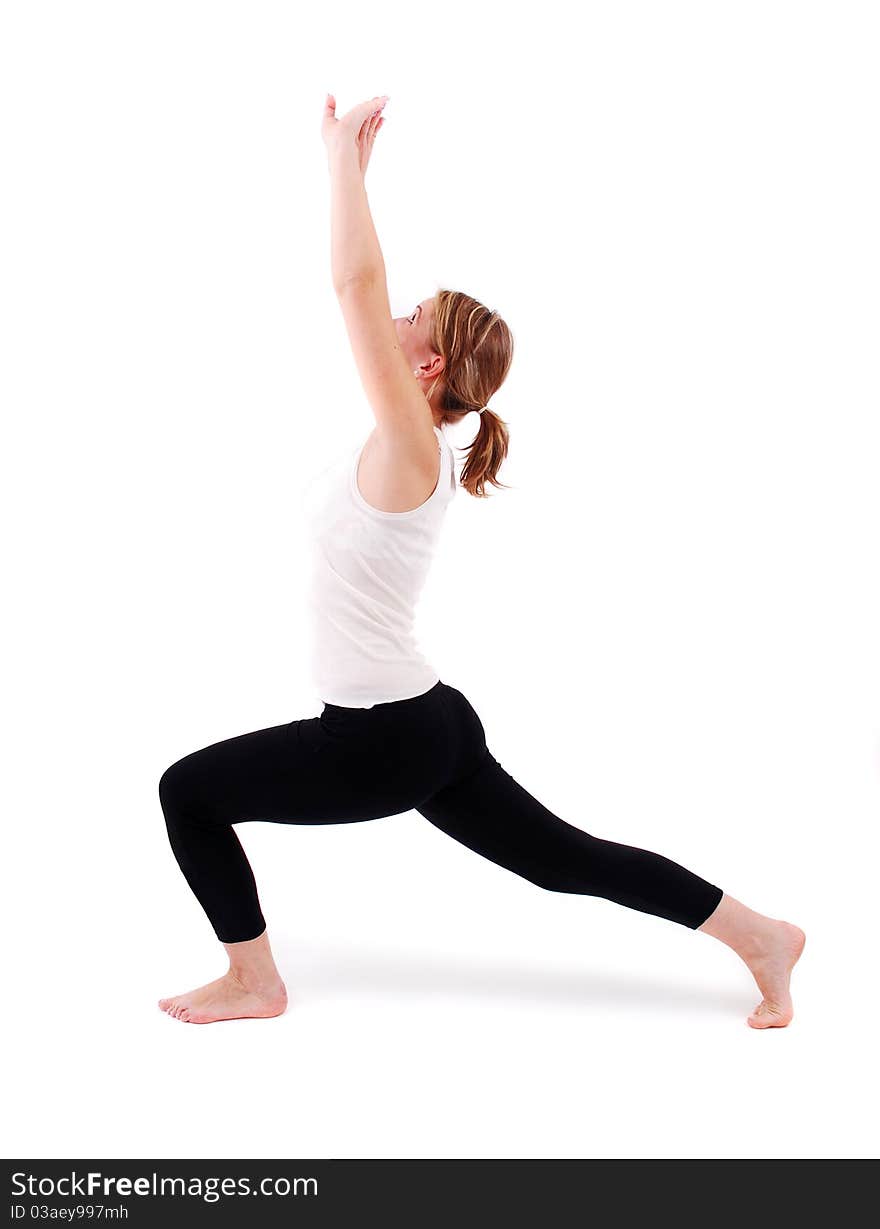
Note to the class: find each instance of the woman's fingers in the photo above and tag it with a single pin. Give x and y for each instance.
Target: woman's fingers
(364, 119)
(372, 106)
(371, 125)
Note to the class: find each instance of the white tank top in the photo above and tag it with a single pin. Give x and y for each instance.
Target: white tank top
(368, 568)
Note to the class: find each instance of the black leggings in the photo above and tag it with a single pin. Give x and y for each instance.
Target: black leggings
(427, 754)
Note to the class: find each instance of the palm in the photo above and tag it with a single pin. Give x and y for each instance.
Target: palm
(360, 124)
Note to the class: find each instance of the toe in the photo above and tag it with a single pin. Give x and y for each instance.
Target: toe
(758, 1018)
(769, 1015)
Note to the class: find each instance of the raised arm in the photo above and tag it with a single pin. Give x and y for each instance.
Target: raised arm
(355, 253)
(401, 410)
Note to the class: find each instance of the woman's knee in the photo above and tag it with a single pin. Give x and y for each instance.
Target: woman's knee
(194, 791)
(573, 866)
(173, 784)
(558, 879)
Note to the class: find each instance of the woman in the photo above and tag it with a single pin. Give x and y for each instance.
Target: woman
(392, 737)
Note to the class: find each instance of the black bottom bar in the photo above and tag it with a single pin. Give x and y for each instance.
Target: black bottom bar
(427, 1192)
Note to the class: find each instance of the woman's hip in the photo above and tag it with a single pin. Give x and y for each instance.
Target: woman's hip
(345, 764)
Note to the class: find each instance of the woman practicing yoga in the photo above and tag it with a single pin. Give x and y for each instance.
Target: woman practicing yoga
(392, 737)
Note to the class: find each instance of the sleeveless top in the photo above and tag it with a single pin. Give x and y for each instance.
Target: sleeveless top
(367, 570)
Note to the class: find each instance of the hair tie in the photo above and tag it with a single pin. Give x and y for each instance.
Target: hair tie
(482, 407)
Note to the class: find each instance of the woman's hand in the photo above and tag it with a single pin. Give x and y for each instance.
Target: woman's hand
(357, 128)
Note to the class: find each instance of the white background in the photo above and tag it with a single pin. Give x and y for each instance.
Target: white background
(668, 625)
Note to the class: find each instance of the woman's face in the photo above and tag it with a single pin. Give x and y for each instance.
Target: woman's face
(413, 333)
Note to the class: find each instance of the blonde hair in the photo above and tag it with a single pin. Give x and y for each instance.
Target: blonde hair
(477, 347)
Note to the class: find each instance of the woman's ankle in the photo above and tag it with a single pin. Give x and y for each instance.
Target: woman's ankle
(262, 982)
(251, 963)
(740, 927)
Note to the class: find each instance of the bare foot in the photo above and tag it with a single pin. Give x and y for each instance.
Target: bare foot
(771, 964)
(227, 998)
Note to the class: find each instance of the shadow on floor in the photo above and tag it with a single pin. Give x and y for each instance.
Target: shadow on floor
(324, 970)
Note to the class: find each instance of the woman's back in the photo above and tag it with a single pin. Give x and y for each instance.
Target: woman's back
(368, 568)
